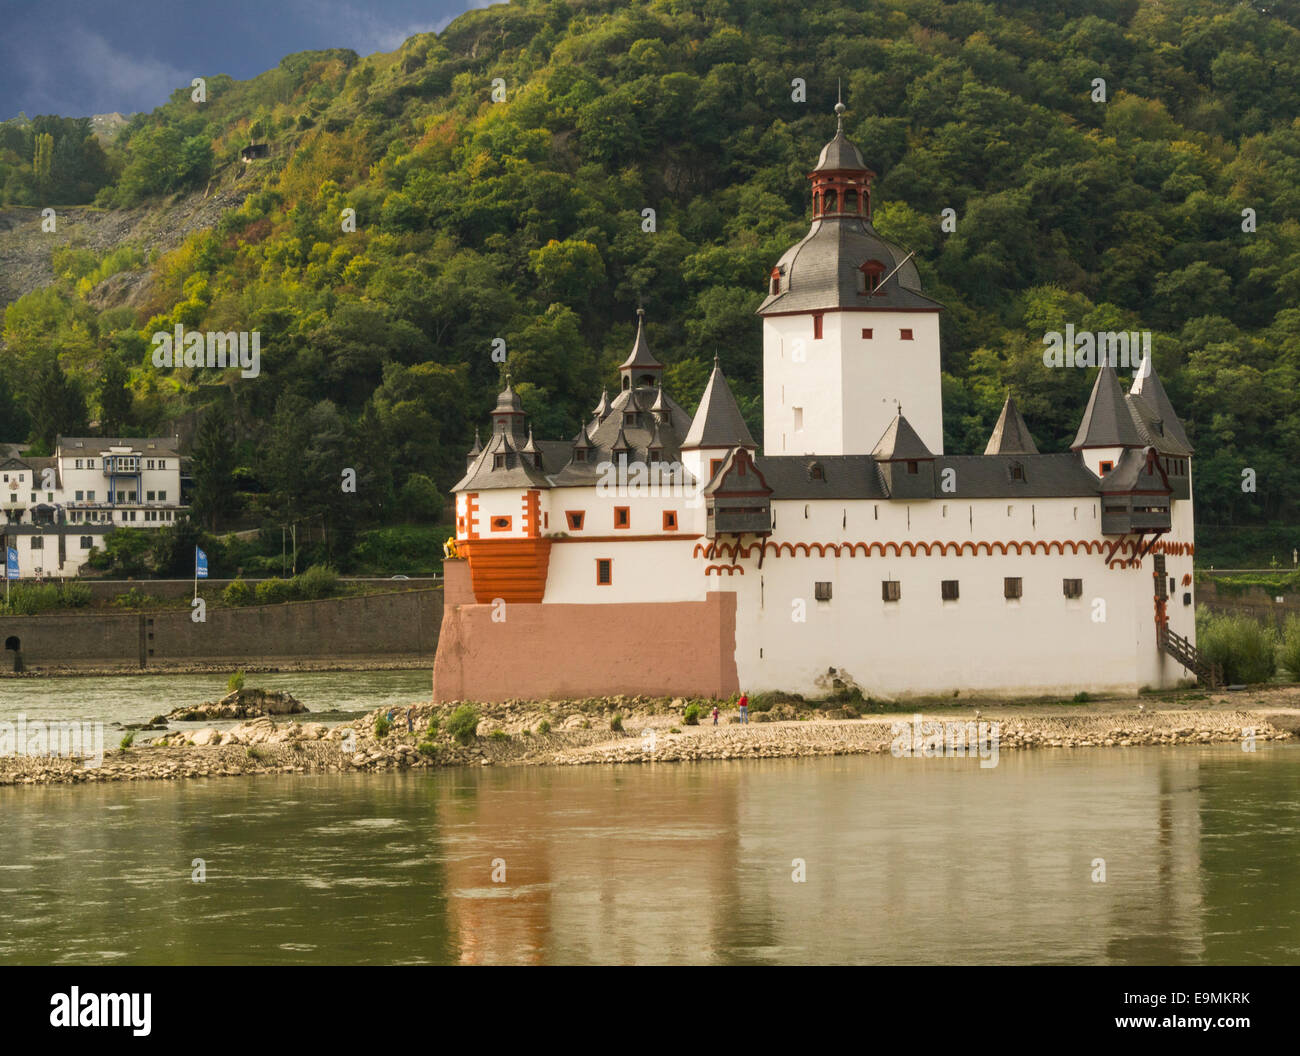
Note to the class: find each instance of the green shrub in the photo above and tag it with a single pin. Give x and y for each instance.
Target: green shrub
(1290, 652)
(238, 593)
(674, 729)
(75, 595)
(235, 682)
(692, 715)
(432, 731)
(127, 741)
(462, 724)
(544, 727)
(1244, 649)
(1081, 697)
(616, 724)
(382, 726)
(259, 753)
(427, 748)
(274, 591)
(498, 735)
(319, 581)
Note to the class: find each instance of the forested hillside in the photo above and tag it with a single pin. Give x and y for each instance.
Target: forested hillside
(523, 220)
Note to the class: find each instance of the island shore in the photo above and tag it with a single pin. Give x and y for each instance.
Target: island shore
(575, 733)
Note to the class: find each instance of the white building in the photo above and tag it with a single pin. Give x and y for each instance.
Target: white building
(55, 510)
(657, 552)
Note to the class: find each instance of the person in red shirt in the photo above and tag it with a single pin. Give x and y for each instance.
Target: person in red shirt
(715, 714)
(744, 708)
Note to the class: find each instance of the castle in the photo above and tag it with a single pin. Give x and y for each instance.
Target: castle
(658, 552)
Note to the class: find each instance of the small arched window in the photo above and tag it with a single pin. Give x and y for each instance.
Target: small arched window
(776, 281)
(869, 275)
(816, 471)
(829, 202)
(851, 201)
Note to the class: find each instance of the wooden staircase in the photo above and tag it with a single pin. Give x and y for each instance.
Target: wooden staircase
(1208, 674)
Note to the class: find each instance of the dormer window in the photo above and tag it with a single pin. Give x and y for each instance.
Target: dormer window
(580, 454)
(1017, 471)
(775, 286)
(498, 461)
(913, 468)
(629, 419)
(1106, 467)
(816, 471)
(869, 275)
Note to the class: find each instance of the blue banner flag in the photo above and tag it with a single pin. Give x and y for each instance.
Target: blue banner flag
(200, 564)
(11, 563)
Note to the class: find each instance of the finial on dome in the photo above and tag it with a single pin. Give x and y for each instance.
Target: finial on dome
(839, 106)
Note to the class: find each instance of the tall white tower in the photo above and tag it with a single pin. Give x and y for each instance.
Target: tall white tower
(848, 336)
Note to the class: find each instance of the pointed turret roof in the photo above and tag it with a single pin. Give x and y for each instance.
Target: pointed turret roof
(1010, 435)
(718, 421)
(478, 444)
(602, 408)
(508, 401)
(900, 441)
(640, 357)
(660, 407)
(1107, 421)
(1154, 413)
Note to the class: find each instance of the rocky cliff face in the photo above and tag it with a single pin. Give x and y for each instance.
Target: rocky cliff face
(25, 248)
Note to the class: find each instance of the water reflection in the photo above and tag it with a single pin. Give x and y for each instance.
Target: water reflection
(905, 861)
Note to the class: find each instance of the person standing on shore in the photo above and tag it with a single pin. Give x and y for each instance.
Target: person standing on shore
(410, 719)
(744, 709)
(715, 714)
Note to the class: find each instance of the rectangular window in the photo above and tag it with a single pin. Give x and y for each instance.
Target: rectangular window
(80, 495)
(501, 524)
(948, 589)
(817, 327)
(822, 590)
(913, 468)
(90, 496)
(714, 464)
(162, 496)
(1106, 467)
(575, 519)
(798, 419)
(79, 463)
(90, 463)
(622, 516)
(1012, 587)
(905, 335)
(604, 571)
(1073, 588)
(87, 541)
(149, 495)
(866, 333)
(1187, 598)
(38, 543)
(891, 589)
(670, 520)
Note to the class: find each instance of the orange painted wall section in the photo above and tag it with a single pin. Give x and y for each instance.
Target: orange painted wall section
(510, 569)
(560, 651)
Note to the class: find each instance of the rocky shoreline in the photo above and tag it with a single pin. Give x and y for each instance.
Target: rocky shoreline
(252, 667)
(531, 733)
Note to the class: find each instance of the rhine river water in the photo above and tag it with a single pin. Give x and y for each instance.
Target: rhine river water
(903, 861)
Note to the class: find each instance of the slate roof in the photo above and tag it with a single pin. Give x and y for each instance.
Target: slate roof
(844, 476)
(1010, 434)
(162, 445)
(899, 442)
(1107, 421)
(1060, 475)
(821, 271)
(1154, 415)
(718, 421)
(1130, 474)
(640, 357)
(974, 477)
(518, 472)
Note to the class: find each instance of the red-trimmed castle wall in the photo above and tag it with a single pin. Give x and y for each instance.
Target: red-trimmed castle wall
(539, 651)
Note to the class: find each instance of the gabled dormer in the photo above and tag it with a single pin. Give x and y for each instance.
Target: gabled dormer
(906, 465)
(1135, 494)
(737, 500)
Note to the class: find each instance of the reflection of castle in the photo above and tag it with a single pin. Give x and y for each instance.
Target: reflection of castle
(852, 550)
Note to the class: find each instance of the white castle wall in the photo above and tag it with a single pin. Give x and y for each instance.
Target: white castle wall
(837, 395)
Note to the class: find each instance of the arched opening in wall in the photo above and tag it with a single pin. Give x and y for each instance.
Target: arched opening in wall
(851, 201)
(12, 644)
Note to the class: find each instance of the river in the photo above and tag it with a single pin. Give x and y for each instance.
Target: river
(863, 859)
(138, 698)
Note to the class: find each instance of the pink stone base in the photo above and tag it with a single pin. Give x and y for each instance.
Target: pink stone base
(563, 651)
